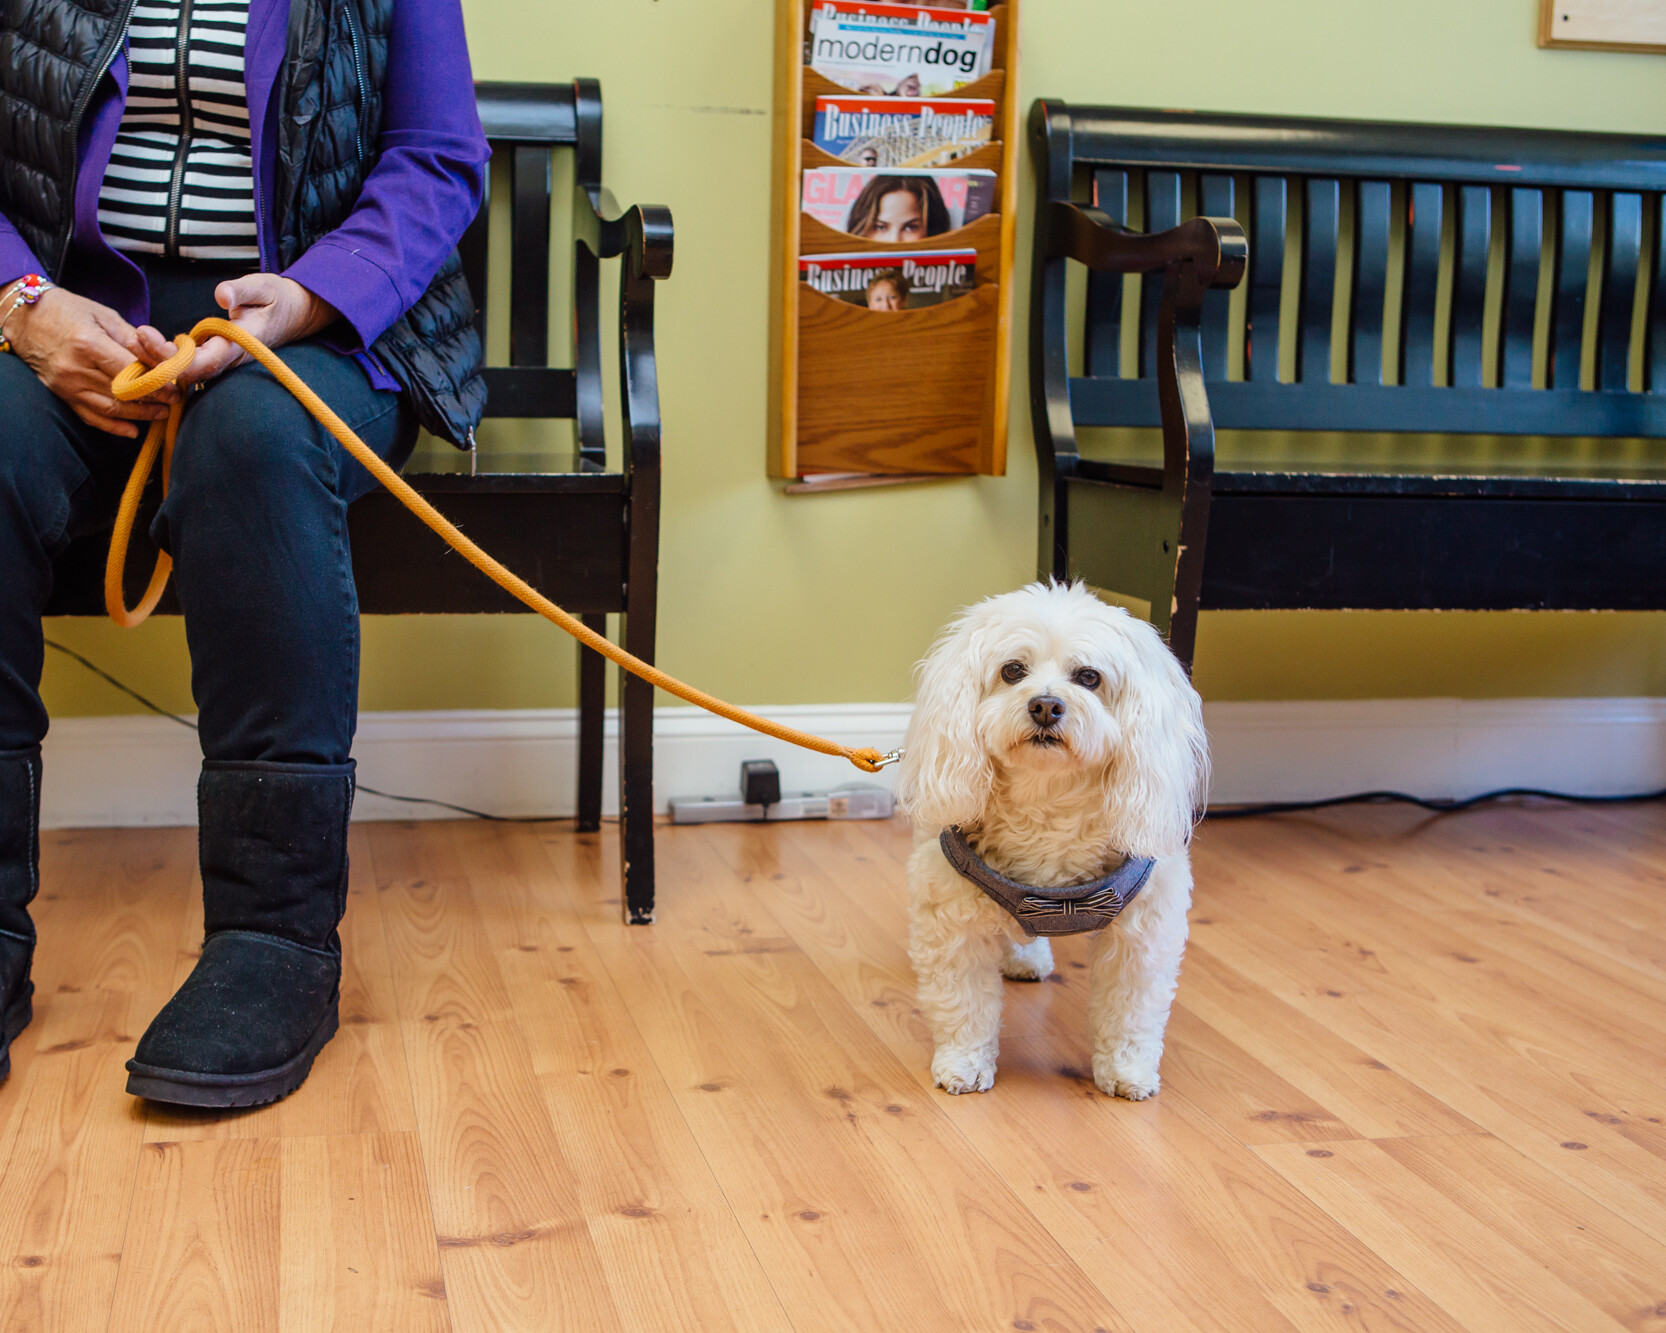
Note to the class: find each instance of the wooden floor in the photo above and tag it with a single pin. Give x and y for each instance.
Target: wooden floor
(1416, 1080)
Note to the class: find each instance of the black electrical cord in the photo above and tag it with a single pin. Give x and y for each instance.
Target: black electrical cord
(160, 711)
(1439, 807)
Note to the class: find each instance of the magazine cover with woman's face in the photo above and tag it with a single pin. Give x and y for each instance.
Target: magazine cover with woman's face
(897, 208)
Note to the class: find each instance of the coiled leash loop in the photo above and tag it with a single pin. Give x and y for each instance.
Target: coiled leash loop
(136, 381)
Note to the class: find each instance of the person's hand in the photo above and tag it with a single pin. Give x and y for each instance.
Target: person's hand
(76, 347)
(276, 310)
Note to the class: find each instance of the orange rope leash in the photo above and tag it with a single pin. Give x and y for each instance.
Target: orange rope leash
(136, 381)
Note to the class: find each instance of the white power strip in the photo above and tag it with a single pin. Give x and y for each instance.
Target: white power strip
(859, 800)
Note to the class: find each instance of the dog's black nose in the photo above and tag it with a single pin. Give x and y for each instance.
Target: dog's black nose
(1046, 710)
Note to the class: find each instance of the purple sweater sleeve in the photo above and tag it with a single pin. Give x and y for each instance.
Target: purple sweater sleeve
(426, 186)
(16, 258)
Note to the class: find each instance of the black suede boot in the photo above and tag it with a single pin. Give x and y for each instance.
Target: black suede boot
(19, 878)
(262, 1000)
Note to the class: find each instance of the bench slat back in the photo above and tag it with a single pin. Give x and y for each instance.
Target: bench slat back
(1466, 260)
(528, 123)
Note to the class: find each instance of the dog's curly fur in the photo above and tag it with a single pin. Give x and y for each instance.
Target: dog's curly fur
(1121, 770)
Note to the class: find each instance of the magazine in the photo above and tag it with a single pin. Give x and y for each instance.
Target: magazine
(889, 50)
(902, 132)
(897, 207)
(892, 282)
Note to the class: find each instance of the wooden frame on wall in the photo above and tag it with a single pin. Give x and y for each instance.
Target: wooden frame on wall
(1603, 25)
(914, 393)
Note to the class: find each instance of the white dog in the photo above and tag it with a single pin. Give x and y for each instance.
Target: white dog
(1062, 737)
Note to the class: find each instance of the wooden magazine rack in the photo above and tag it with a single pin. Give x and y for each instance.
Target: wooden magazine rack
(891, 395)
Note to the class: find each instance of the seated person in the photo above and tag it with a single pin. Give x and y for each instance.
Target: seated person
(181, 187)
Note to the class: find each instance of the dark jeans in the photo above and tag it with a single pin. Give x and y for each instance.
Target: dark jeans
(256, 522)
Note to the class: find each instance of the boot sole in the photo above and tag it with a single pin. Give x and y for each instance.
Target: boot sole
(18, 1017)
(182, 1088)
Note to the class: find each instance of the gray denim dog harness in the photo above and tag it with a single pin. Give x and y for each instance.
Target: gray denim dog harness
(1072, 910)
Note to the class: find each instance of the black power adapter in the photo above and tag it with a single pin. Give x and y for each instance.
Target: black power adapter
(760, 782)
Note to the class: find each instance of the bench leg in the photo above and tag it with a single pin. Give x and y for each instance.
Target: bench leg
(1179, 625)
(1188, 570)
(592, 711)
(1176, 582)
(1178, 619)
(636, 776)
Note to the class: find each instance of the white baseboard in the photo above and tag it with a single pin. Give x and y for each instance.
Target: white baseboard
(126, 771)
(1309, 749)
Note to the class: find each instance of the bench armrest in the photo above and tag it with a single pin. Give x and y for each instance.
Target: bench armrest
(641, 237)
(1200, 254)
(1215, 248)
(640, 234)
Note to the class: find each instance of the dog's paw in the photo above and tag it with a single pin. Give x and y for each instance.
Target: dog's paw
(971, 1080)
(1133, 1091)
(1136, 1086)
(957, 1072)
(1030, 961)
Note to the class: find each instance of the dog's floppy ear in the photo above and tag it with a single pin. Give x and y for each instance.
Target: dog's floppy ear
(945, 774)
(1161, 775)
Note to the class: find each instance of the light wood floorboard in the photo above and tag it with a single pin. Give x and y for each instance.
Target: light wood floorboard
(1415, 1081)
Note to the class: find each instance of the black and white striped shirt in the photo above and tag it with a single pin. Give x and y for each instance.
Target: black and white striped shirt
(180, 181)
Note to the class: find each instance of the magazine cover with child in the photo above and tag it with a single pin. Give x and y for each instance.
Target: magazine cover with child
(903, 132)
(891, 282)
(892, 50)
(897, 207)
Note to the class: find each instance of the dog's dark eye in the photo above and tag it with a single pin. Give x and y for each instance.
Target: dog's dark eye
(1087, 678)
(1013, 672)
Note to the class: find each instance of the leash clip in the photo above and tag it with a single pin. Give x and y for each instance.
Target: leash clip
(888, 758)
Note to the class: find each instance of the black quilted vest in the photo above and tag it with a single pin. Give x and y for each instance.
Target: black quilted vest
(53, 54)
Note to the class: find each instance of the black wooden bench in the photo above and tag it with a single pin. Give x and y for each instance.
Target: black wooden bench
(1509, 282)
(585, 536)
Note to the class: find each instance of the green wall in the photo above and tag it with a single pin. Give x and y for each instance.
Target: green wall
(769, 599)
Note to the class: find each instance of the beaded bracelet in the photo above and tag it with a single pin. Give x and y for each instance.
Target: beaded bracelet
(25, 291)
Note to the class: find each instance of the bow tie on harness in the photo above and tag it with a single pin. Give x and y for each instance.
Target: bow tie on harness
(1072, 910)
